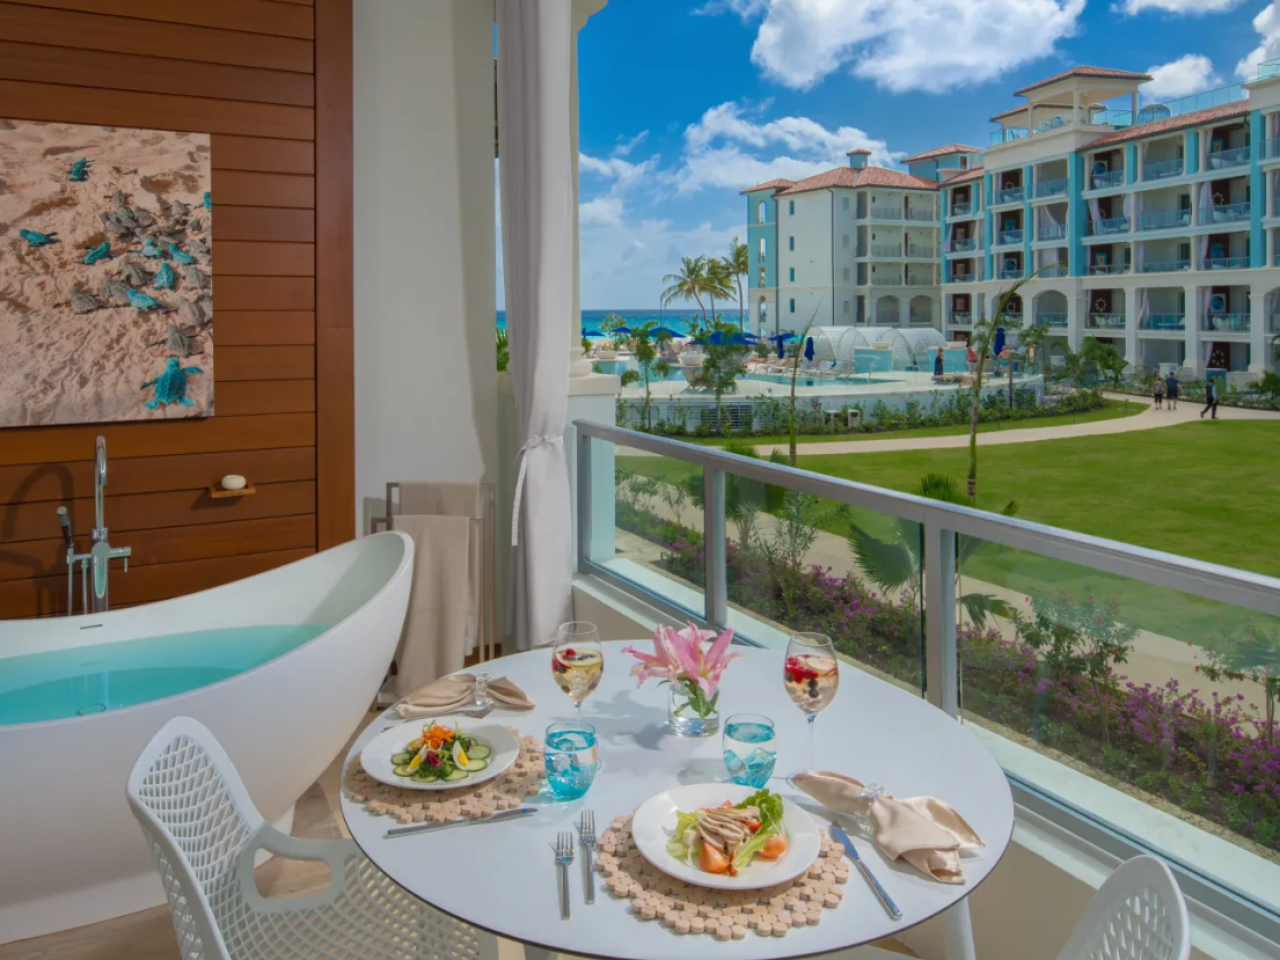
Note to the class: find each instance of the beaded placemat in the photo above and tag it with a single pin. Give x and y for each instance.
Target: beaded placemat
(724, 914)
(508, 790)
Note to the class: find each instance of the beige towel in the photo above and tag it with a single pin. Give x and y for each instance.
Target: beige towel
(453, 500)
(923, 831)
(457, 692)
(446, 572)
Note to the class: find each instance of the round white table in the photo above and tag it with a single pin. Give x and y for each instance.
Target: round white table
(501, 877)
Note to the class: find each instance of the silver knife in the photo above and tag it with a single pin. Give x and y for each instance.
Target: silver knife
(885, 900)
(492, 818)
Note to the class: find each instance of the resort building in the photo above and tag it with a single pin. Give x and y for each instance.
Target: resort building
(1152, 228)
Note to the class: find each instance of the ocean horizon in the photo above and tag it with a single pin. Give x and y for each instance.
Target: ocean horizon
(679, 320)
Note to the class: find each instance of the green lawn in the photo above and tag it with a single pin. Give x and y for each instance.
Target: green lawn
(1114, 410)
(1203, 490)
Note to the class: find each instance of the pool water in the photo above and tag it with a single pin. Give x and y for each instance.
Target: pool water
(857, 379)
(88, 680)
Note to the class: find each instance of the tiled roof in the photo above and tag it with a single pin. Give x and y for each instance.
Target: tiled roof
(965, 177)
(1082, 71)
(865, 177)
(858, 152)
(778, 184)
(1168, 125)
(941, 152)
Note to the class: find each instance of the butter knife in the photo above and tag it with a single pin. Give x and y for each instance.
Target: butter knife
(885, 900)
(412, 828)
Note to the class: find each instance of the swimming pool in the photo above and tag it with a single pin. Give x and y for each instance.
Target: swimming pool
(856, 379)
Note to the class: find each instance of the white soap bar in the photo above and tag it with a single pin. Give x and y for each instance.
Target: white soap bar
(233, 481)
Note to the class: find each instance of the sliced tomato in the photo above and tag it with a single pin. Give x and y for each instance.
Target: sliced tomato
(712, 860)
(774, 847)
(753, 825)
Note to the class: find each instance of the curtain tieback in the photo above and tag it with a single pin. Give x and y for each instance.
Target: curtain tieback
(541, 440)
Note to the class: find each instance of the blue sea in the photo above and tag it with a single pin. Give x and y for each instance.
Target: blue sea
(677, 320)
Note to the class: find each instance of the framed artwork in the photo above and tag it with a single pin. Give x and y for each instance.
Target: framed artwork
(106, 274)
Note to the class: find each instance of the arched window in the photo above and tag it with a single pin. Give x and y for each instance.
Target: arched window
(762, 250)
(760, 212)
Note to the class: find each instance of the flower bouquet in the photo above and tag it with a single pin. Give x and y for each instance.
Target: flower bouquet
(692, 670)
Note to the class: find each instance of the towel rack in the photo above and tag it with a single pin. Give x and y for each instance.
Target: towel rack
(487, 628)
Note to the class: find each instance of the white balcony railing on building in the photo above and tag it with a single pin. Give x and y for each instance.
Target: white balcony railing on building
(962, 319)
(920, 251)
(1165, 220)
(886, 249)
(1010, 273)
(1051, 319)
(962, 278)
(1226, 263)
(1112, 178)
(1051, 188)
(1166, 266)
(1007, 195)
(1102, 228)
(1162, 169)
(1104, 321)
(1107, 269)
(961, 209)
(1006, 237)
(920, 280)
(901, 213)
(1052, 271)
(1226, 159)
(1052, 231)
(881, 280)
(964, 244)
(1225, 323)
(1171, 322)
(1230, 213)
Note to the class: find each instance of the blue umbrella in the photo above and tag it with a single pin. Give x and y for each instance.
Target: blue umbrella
(717, 339)
(808, 349)
(702, 340)
(592, 333)
(738, 340)
(626, 331)
(780, 339)
(663, 332)
(998, 346)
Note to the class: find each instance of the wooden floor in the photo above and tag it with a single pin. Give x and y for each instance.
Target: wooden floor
(148, 935)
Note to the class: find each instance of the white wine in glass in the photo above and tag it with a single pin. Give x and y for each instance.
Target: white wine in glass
(577, 662)
(811, 674)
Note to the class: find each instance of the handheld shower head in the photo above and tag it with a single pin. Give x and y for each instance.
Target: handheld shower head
(64, 521)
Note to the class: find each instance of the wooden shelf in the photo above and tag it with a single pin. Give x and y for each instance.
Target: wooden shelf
(217, 493)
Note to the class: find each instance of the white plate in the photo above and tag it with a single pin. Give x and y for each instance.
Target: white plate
(377, 754)
(654, 824)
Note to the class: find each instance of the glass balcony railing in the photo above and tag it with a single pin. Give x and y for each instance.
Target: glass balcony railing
(901, 213)
(919, 251)
(1051, 319)
(1051, 188)
(1268, 69)
(886, 249)
(1112, 118)
(1104, 321)
(1006, 237)
(1164, 321)
(1162, 169)
(1226, 159)
(1271, 148)
(964, 244)
(961, 209)
(879, 280)
(1052, 231)
(1010, 273)
(1165, 220)
(1013, 316)
(1165, 266)
(1107, 269)
(1009, 134)
(1226, 263)
(1197, 101)
(964, 319)
(962, 278)
(1230, 213)
(1112, 178)
(1007, 195)
(1102, 228)
(1225, 323)
(924, 216)
(920, 280)
(1052, 271)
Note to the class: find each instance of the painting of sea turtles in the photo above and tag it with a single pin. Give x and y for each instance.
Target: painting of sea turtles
(106, 266)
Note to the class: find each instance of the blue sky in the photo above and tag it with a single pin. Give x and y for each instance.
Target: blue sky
(685, 102)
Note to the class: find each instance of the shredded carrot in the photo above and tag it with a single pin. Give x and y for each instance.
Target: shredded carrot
(437, 736)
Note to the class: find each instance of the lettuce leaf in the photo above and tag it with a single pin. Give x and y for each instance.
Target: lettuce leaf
(676, 845)
(770, 805)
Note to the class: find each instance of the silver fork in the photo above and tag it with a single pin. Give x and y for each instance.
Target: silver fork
(564, 857)
(587, 837)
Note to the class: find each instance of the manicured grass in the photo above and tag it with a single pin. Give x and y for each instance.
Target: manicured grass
(1114, 410)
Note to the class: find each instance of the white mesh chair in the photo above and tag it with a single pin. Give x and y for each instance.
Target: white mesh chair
(204, 832)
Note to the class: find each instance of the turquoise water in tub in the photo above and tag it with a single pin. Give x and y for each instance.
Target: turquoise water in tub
(88, 680)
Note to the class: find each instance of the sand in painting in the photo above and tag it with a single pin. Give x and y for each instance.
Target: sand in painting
(58, 365)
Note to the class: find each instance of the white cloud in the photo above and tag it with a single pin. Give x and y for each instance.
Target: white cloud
(601, 210)
(624, 147)
(1180, 7)
(1177, 78)
(932, 45)
(732, 146)
(623, 173)
(1267, 23)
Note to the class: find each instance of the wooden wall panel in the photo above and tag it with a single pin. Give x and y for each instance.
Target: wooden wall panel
(270, 80)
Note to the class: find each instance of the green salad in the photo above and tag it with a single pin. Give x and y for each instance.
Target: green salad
(441, 753)
(727, 838)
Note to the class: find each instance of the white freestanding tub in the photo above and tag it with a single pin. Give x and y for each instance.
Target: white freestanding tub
(70, 852)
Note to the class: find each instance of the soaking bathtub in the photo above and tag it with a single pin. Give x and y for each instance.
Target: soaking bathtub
(281, 667)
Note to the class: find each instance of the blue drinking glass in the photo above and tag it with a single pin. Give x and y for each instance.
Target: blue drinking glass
(750, 749)
(572, 758)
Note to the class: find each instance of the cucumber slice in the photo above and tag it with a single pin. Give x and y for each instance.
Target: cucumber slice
(475, 766)
(400, 758)
(479, 752)
(457, 774)
(425, 774)
(402, 770)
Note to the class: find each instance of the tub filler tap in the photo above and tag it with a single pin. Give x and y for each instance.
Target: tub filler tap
(94, 565)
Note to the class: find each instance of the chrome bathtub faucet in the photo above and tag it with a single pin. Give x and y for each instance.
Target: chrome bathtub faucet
(94, 565)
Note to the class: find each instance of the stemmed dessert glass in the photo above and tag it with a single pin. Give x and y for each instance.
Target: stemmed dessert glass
(811, 673)
(577, 661)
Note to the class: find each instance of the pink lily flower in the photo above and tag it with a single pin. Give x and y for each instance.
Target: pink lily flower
(679, 655)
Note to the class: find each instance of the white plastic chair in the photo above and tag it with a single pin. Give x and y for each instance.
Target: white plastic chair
(204, 832)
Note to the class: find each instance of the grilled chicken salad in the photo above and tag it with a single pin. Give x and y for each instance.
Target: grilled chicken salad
(727, 838)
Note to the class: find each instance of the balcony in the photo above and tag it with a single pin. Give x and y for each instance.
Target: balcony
(1231, 213)
(1008, 135)
(1165, 220)
(1225, 323)
(1113, 225)
(1052, 271)
(1051, 188)
(1226, 159)
(1164, 321)
(886, 249)
(961, 209)
(1104, 321)
(1010, 273)
(1273, 323)
(1051, 319)
(1112, 178)
(920, 252)
(964, 319)
(1112, 118)
(885, 281)
(1107, 269)
(1053, 231)
(962, 278)
(923, 216)
(1162, 169)
(1271, 148)
(1226, 263)
(964, 244)
(898, 213)
(1006, 237)
(1007, 195)
(1166, 266)
(918, 280)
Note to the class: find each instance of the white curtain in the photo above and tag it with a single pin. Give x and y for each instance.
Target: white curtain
(536, 175)
(1143, 306)
(1203, 138)
(1206, 217)
(1095, 211)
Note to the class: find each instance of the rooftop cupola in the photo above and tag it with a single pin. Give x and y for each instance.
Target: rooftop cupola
(858, 158)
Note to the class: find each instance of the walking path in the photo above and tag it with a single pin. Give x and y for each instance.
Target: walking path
(1149, 419)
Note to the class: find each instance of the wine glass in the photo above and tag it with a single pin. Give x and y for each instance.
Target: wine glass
(577, 662)
(811, 673)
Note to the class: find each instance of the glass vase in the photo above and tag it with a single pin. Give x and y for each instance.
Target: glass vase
(690, 712)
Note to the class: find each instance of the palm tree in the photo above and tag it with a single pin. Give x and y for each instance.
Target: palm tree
(739, 264)
(689, 284)
(717, 284)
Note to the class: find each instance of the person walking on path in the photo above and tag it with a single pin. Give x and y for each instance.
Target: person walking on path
(939, 364)
(1210, 400)
(1157, 392)
(1171, 390)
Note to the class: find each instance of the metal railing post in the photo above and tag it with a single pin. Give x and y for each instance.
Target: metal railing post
(584, 500)
(942, 665)
(716, 589)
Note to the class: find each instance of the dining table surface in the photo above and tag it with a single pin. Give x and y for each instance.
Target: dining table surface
(501, 877)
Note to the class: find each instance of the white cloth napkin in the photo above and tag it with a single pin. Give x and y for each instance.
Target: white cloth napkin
(457, 692)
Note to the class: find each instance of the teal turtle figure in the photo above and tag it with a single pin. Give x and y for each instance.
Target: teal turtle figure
(101, 252)
(165, 278)
(179, 255)
(79, 170)
(35, 238)
(171, 386)
(208, 200)
(149, 249)
(142, 301)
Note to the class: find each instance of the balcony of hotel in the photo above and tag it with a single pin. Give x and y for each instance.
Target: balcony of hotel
(1010, 273)
(1226, 263)
(921, 251)
(1225, 323)
(1165, 220)
(962, 245)
(962, 209)
(1051, 188)
(1162, 169)
(920, 279)
(1271, 149)
(1052, 231)
(1008, 238)
(887, 250)
(1104, 321)
(1111, 178)
(1113, 225)
(1053, 320)
(1230, 213)
(904, 213)
(1008, 135)
(1052, 271)
(1226, 159)
(1165, 266)
(1007, 195)
(1170, 322)
(886, 280)
(961, 318)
